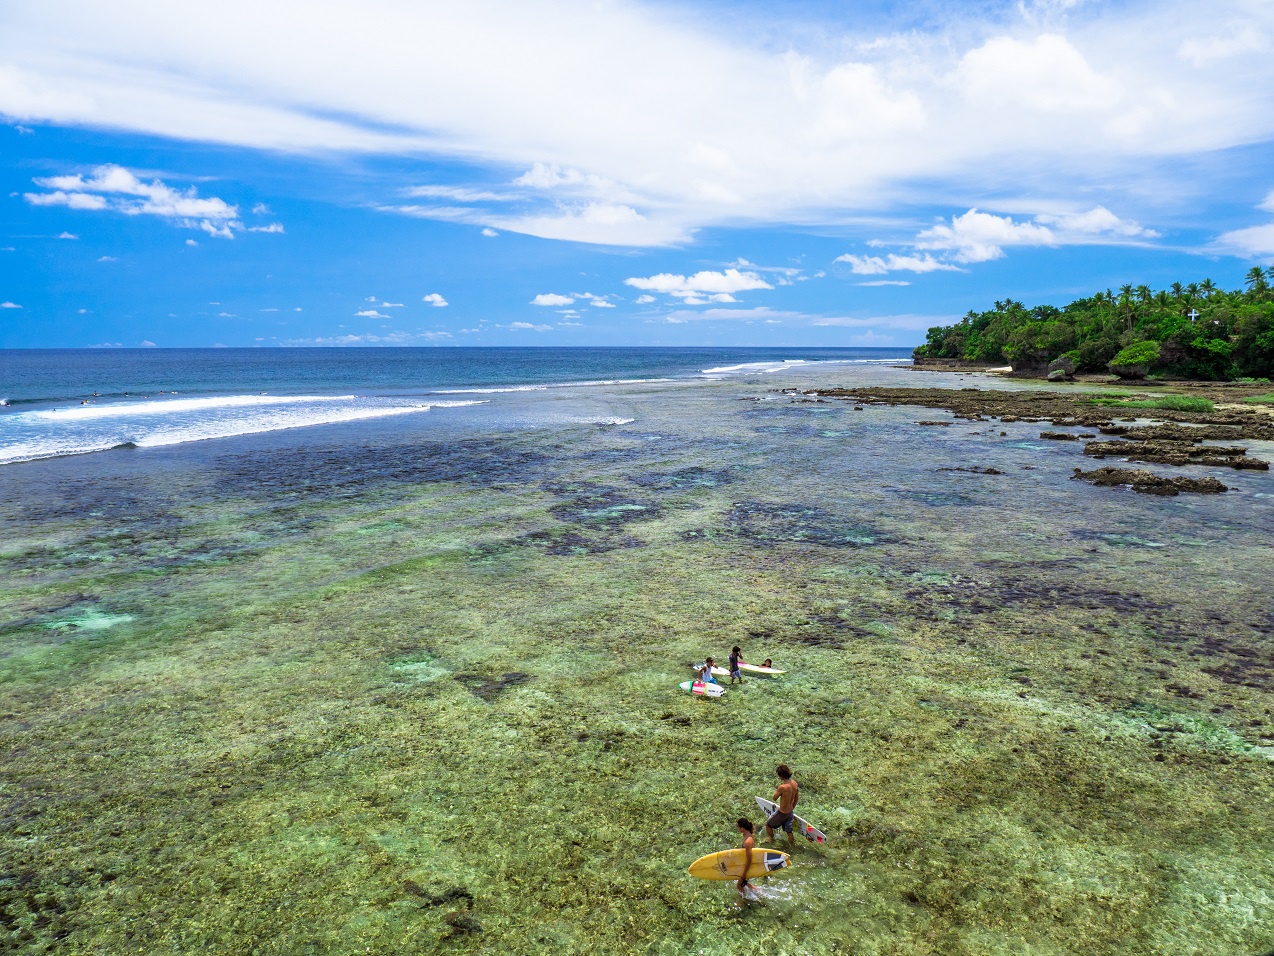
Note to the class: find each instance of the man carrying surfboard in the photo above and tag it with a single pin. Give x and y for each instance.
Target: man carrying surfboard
(749, 841)
(785, 796)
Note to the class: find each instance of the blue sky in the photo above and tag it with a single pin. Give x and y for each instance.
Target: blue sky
(496, 173)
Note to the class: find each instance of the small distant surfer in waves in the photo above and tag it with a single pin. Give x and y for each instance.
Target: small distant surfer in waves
(703, 674)
(785, 796)
(736, 658)
(749, 841)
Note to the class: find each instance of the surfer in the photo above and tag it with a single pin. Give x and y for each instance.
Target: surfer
(749, 841)
(768, 663)
(736, 658)
(785, 796)
(703, 673)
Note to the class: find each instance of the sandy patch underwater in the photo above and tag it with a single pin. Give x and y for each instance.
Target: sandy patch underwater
(409, 685)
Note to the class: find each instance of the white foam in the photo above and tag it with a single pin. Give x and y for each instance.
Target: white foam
(545, 386)
(212, 418)
(174, 406)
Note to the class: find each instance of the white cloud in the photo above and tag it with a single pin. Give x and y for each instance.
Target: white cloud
(1203, 51)
(436, 300)
(107, 259)
(70, 200)
(392, 305)
(260, 209)
(880, 265)
(9, 305)
(521, 326)
(980, 237)
(717, 126)
(226, 315)
(489, 232)
(66, 235)
(702, 287)
(644, 299)
(192, 242)
(457, 193)
(1267, 203)
(274, 227)
(146, 344)
(552, 298)
(883, 282)
(107, 184)
(370, 314)
(1252, 241)
(600, 303)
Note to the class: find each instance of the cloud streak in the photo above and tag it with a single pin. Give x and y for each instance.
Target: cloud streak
(712, 129)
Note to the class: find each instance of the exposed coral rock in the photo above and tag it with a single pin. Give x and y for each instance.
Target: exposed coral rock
(1148, 483)
(1059, 436)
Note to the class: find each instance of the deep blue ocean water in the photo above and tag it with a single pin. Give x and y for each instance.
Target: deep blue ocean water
(72, 401)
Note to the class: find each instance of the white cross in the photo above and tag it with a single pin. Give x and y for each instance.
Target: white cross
(1193, 314)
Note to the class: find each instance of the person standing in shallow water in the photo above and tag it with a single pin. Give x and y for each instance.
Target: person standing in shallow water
(736, 658)
(786, 796)
(749, 841)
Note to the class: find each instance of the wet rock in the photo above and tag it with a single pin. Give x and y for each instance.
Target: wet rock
(1148, 483)
(1059, 436)
(975, 469)
(1057, 375)
(939, 424)
(1063, 364)
(1176, 453)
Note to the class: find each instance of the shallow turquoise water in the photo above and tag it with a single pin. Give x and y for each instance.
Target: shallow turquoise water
(311, 670)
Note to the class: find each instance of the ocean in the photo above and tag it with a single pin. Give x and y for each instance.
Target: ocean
(388, 658)
(62, 402)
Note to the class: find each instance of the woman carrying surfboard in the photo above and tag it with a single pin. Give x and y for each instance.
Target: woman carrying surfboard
(749, 841)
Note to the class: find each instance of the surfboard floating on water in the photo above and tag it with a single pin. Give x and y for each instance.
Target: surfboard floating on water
(799, 824)
(749, 669)
(728, 864)
(700, 689)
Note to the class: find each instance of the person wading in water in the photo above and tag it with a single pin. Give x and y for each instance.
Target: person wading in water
(785, 796)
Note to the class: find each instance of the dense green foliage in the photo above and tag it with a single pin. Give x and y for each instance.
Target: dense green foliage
(1194, 331)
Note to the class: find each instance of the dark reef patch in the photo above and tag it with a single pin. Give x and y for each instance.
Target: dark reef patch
(774, 523)
(321, 471)
(488, 689)
(685, 479)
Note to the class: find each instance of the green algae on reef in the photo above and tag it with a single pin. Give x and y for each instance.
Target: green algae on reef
(420, 697)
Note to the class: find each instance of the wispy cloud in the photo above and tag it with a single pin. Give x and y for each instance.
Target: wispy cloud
(879, 265)
(9, 305)
(370, 314)
(528, 327)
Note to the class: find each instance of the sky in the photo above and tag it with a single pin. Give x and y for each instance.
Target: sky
(488, 172)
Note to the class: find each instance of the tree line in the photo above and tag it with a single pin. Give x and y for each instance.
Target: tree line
(1195, 331)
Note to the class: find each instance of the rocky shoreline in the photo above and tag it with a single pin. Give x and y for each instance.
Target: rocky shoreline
(1123, 426)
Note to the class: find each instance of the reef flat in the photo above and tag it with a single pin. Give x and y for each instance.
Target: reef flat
(409, 689)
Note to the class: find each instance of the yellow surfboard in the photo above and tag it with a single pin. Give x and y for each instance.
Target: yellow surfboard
(728, 864)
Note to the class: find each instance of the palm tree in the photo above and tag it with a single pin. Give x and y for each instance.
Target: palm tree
(1176, 290)
(1144, 294)
(1192, 291)
(1255, 281)
(1207, 287)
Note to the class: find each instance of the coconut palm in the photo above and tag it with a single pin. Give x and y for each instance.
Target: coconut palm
(1177, 290)
(1207, 287)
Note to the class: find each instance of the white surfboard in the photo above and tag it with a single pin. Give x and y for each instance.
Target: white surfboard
(700, 689)
(799, 824)
(749, 669)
